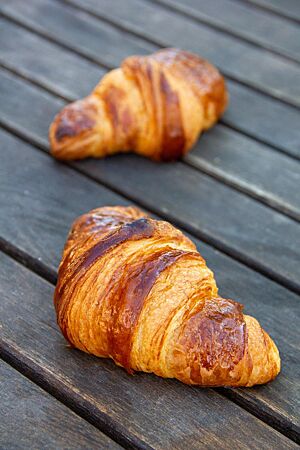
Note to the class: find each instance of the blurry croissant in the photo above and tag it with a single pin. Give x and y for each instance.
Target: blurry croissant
(136, 290)
(154, 105)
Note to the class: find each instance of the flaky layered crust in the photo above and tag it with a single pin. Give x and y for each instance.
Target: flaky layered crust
(154, 105)
(136, 290)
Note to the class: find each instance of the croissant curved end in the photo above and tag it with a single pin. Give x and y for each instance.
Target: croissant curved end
(74, 131)
(136, 290)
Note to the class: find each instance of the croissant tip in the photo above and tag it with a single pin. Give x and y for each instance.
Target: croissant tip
(72, 132)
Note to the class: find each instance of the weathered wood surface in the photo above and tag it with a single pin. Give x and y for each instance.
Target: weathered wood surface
(240, 226)
(234, 57)
(53, 51)
(142, 410)
(36, 218)
(250, 167)
(243, 21)
(45, 62)
(245, 107)
(285, 8)
(263, 118)
(277, 76)
(225, 154)
(31, 418)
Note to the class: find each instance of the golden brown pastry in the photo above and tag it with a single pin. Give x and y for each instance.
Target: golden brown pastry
(136, 290)
(154, 105)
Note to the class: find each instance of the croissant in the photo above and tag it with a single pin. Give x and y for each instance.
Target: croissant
(154, 105)
(136, 290)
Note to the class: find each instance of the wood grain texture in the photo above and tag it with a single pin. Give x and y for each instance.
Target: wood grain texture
(223, 152)
(31, 418)
(249, 166)
(82, 32)
(286, 8)
(263, 118)
(234, 223)
(246, 105)
(72, 195)
(43, 215)
(142, 410)
(76, 30)
(36, 218)
(243, 21)
(234, 58)
(46, 63)
(242, 227)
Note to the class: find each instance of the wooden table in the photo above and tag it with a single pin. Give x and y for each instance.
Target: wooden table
(237, 194)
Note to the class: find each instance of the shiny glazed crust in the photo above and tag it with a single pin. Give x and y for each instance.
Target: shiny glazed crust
(154, 105)
(136, 290)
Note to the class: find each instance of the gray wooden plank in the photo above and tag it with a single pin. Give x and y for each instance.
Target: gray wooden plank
(250, 167)
(76, 29)
(36, 216)
(46, 63)
(51, 213)
(242, 20)
(145, 410)
(233, 56)
(271, 121)
(249, 111)
(277, 76)
(31, 418)
(221, 152)
(286, 8)
(242, 227)
(232, 222)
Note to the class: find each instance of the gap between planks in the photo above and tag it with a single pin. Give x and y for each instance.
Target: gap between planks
(161, 44)
(220, 28)
(103, 65)
(211, 241)
(33, 417)
(79, 171)
(106, 195)
(272, 11)
(139, 35)
(189, 160)
(26, 366)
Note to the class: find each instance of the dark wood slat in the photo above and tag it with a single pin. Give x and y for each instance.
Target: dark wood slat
(239, 226)
(286, 8)
(245, 106)
(234, 57)
(76, 29)
(145, 410)
(36, 216)
(30, 418)
(262, 117)
(245, 229)
(221, 152)
(46, 63)
(33, 169)
(246, 22)
(250, 167)
(267, 409)
(276, 76)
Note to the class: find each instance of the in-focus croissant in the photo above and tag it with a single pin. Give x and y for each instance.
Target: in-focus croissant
(136, 290)
(154, 105)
